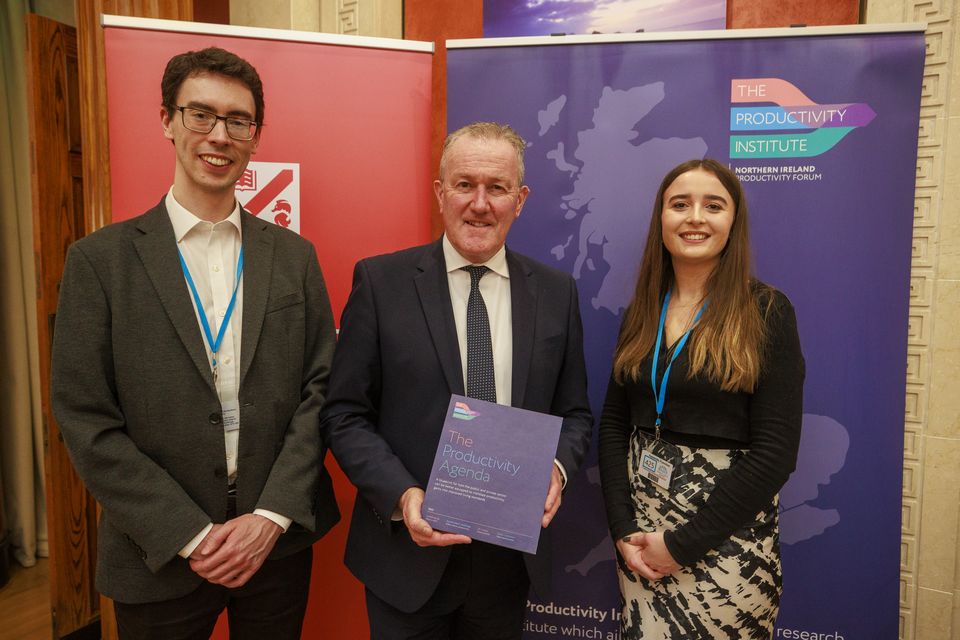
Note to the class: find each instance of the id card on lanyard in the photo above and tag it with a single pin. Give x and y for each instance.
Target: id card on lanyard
(659, 458)
(230, 410)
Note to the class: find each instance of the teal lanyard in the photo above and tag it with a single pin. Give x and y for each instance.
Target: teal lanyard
(661, 397)
(214, 343)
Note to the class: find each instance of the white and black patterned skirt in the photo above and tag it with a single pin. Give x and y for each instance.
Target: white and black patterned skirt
(733, 592)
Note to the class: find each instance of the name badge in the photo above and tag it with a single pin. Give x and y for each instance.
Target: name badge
(231, 415)
(656, 469)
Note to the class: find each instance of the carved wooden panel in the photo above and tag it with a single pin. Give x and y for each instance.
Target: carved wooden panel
(93, 91)
(56, 168)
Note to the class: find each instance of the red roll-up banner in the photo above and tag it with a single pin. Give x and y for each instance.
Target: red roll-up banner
(344, 159)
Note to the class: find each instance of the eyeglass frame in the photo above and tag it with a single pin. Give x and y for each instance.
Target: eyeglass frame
(253, 124)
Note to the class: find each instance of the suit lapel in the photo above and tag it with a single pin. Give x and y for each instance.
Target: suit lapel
(157, 248)
(434, 292)
(523, 299)
(257, 275)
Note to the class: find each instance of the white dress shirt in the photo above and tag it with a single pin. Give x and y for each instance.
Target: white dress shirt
(211, 251)
(495, 289)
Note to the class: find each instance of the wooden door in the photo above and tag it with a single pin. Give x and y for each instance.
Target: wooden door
(58, 220)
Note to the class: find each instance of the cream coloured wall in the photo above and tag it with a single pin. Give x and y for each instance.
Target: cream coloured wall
(382, 18)
(301, 15)
(930, 562)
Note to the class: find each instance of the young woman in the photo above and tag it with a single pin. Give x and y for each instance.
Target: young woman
(701, 422)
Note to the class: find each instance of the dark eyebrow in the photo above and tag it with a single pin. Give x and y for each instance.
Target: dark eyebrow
(236, 113)
(709, 196)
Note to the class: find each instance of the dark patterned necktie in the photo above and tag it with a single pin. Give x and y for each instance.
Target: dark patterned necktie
(480, 380)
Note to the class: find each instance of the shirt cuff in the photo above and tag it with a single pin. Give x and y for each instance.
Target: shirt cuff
(281, 521)
(191, 546)
(563, 473)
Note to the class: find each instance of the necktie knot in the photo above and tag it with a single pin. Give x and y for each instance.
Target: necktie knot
(476, 272)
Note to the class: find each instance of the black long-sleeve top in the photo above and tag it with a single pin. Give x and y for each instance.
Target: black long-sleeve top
(765, 423)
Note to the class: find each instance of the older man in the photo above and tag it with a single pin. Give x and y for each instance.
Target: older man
(405, 346)
(190, 361)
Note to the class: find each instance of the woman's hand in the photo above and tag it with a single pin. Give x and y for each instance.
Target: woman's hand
(654, 554)
(631, 548)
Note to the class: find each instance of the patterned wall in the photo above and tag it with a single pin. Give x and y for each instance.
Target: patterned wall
(929, 586)
(349, 17)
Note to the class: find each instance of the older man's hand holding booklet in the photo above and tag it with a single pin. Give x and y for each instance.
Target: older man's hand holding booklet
(491, 473)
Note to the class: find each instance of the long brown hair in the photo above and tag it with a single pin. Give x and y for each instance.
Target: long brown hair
(727, 343)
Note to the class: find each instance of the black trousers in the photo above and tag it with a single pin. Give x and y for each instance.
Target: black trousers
(271, 605)
(481, 596)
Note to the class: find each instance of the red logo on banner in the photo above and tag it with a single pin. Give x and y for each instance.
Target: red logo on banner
(271, 190)
(248, 181)
(282, 209)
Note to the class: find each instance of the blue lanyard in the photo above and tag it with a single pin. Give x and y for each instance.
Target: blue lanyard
(662, 396)
(214, 344)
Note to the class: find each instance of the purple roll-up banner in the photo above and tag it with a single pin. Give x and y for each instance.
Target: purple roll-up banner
(821, 126)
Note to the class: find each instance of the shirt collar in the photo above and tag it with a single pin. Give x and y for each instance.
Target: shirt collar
(497, 263)
(184, 221)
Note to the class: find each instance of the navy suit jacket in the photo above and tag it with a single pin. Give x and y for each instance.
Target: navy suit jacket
(397, 362)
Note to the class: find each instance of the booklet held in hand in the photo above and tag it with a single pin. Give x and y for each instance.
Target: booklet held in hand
(491, 473)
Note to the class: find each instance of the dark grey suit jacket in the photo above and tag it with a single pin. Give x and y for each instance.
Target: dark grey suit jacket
(136, 403)
(396, 364)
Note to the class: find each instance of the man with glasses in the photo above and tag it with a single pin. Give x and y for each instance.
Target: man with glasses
(190, 361)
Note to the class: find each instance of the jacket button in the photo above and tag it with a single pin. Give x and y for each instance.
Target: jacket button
(215, 418)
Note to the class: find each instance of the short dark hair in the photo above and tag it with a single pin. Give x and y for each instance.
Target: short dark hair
(210, 60)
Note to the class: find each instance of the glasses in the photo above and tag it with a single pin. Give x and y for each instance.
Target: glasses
(203, 122)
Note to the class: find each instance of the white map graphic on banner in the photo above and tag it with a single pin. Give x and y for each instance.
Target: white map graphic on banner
(612, 171)
(271, 191)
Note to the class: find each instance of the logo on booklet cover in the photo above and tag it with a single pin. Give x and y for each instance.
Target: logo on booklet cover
(462, 412)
